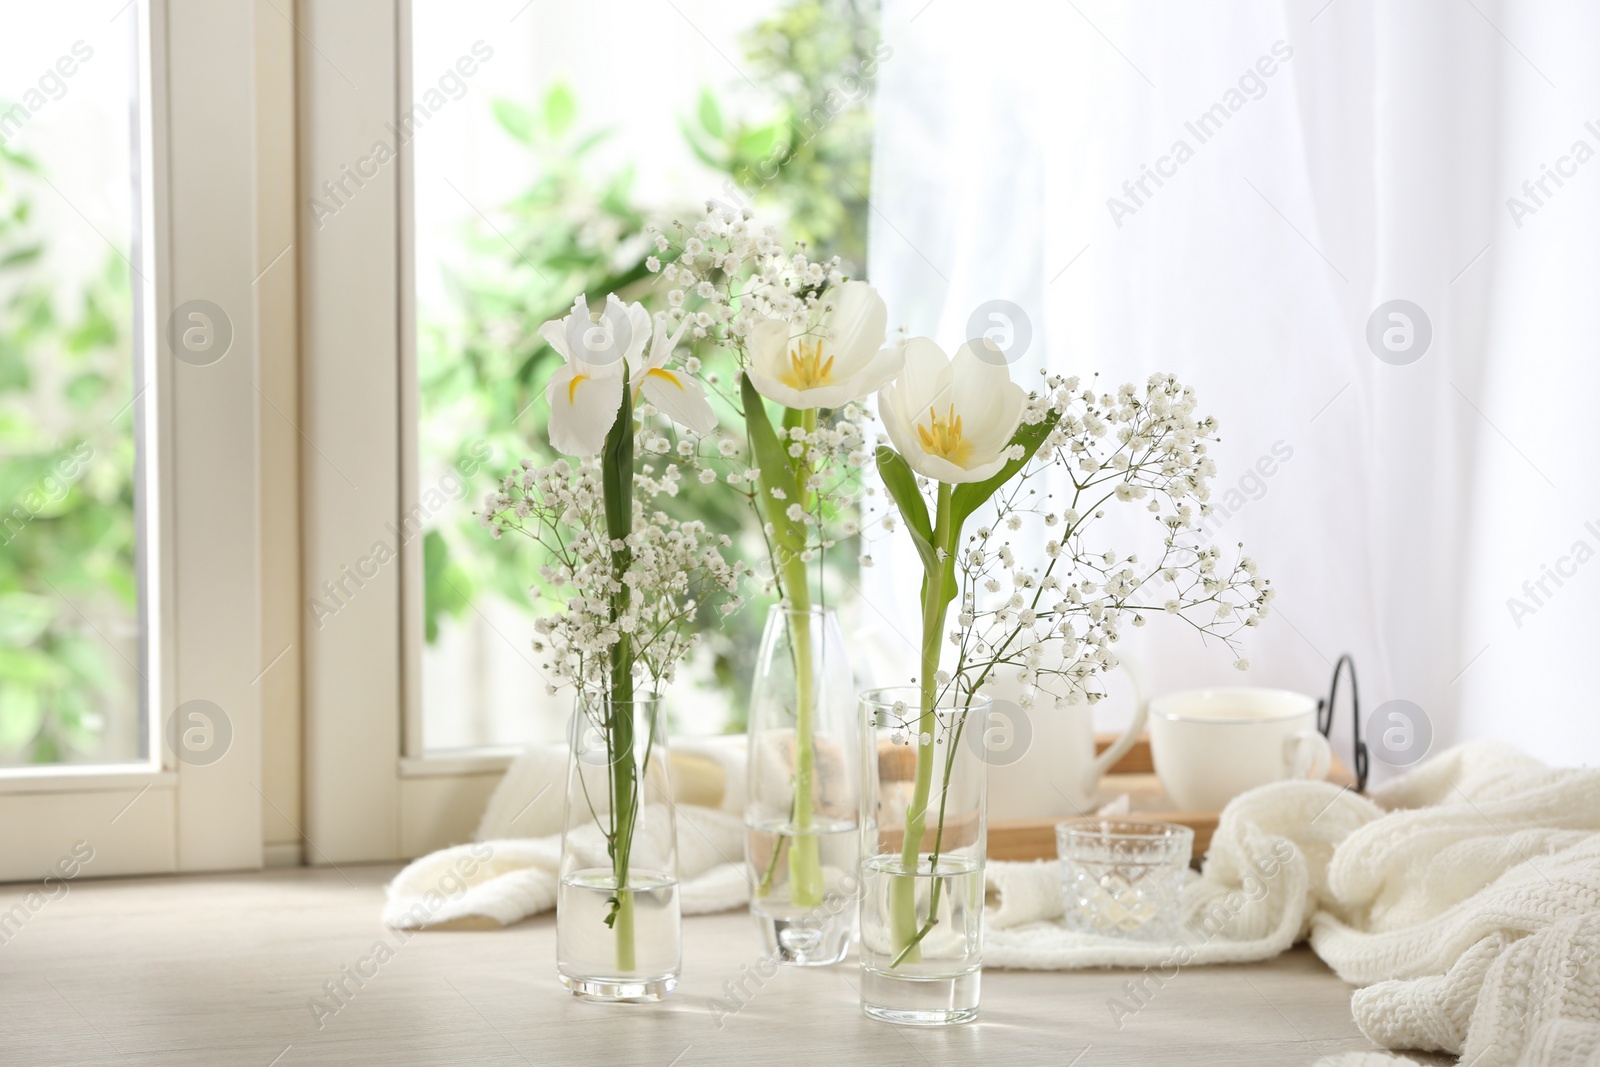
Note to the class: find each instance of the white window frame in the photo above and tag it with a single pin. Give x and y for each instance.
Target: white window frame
(372, 792)
(202, 479)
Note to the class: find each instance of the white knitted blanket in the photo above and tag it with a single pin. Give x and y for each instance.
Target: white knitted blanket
(1464, 897)
(511, 870)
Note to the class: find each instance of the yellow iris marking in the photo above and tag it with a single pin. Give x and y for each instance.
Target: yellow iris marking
(657, 372)
(807, 368)
(942, 437)
(572, 387)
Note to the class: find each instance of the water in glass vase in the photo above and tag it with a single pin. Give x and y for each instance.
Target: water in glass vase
(809, 922)
(931, 980)
(635, 958)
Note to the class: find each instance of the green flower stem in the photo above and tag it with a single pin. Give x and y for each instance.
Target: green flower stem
(937, 591)
(805, 860)
(617, 475)
(787, 476)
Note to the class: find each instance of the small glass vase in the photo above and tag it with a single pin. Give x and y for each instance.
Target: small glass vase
(922, 855)
(804, 790)
(618, 926)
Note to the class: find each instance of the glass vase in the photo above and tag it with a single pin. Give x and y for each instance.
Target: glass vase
(923, 824)
(618, 927)
(804, 790)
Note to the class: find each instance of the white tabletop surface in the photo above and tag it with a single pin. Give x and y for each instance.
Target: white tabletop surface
(222, 969)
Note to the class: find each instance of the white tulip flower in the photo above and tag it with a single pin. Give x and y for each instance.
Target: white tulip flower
(952, 420)
(585, 395)
(835, 357)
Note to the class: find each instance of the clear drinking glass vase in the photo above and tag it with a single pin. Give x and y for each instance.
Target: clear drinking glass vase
(618, 927)
(922, 855)
(804, 790)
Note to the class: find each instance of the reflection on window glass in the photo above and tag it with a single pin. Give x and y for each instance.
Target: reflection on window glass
(69, 633)
(538, 163)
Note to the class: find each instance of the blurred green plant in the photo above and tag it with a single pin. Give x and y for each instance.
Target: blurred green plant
(808, 157)
(67, 534)
(805, 161)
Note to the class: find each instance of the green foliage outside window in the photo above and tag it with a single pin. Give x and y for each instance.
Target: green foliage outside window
(67, 570)
(806, 160)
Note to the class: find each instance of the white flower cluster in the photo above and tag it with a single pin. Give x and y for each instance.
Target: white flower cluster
(727, 274)
(1037, 602)
(646, 587)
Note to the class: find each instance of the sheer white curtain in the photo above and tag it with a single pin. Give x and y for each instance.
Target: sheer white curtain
(1231, 192)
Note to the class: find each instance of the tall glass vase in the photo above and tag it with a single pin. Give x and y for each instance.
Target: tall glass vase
(803, 790)
(922, 855)
(618, 927)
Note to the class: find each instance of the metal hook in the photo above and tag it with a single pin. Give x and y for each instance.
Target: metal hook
(1325, 716)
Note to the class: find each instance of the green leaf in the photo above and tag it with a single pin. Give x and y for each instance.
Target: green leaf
(701, 150)
(442, 583)
(617, 467)
(589, 140)
(23, 617)
(21, 715)
(971, 496)
(28, 667)
(757, 142)
(87, 660)
(560, 108)
(18, 257)
(85, 389)
(902, 485)
(710, 114)
(515, 119)
(776, 473)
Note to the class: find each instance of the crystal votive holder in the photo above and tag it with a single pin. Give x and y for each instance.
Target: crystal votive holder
(1123, 877)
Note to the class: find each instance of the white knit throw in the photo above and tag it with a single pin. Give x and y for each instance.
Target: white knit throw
(512, 869)
(1464, 897)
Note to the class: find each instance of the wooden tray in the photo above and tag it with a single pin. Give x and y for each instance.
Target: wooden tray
(1134, 774)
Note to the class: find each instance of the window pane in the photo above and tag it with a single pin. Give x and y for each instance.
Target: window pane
(69, 594)
(548, 136)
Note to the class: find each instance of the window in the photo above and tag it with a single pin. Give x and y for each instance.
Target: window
(71, 648)
(535, 173)
(500, 178)
(130, 560)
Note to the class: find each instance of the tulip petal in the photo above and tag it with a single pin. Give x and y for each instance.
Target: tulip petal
(857, 325)
(989, 402)
(902, 433)
(925, 377)
(776, 391)
(768, 342)
(883, 366)
(942, 470)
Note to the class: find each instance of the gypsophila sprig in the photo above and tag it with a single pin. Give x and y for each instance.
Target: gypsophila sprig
(625, 576)
(1033, 598)
(1050, 620)
(805, 339)
(673, 567)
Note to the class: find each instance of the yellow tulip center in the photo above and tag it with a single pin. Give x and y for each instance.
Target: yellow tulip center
(807, 367)
(942, 437)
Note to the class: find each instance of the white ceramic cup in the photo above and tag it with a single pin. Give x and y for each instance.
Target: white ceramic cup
(1210, 745)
